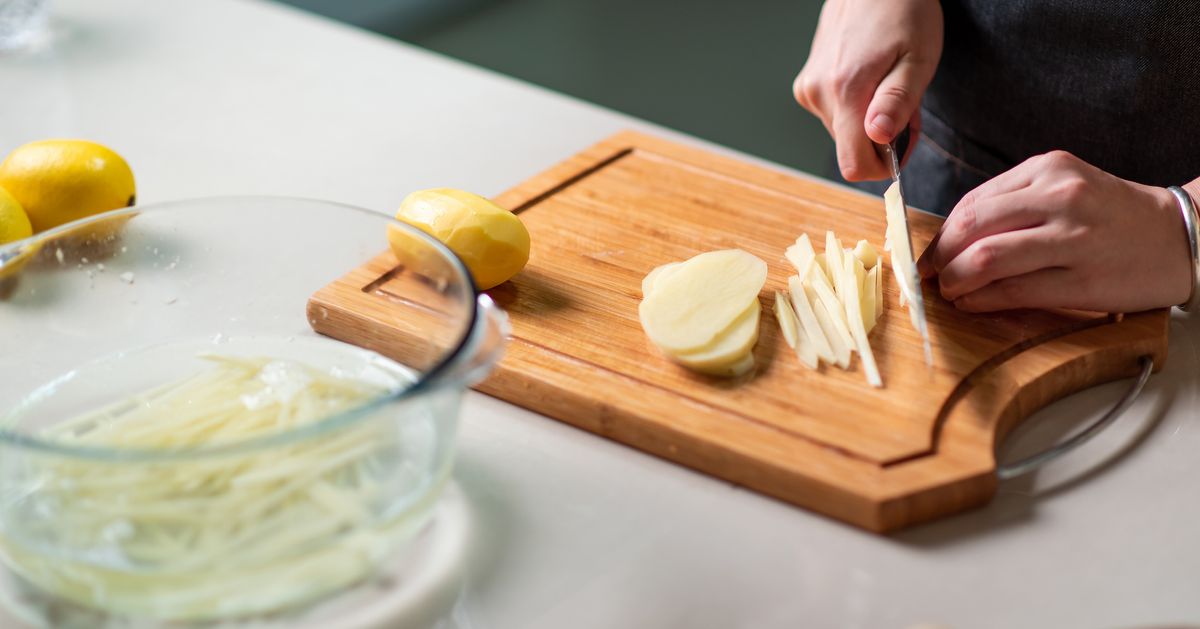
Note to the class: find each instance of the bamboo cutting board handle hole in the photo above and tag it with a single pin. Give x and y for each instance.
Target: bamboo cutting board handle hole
(1035, 461)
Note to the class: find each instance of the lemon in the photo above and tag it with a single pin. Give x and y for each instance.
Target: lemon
(489, 239)
(59, 181)
(14, 226)
(14, 223)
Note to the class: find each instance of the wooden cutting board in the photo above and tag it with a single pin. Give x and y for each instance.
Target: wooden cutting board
(920, 448)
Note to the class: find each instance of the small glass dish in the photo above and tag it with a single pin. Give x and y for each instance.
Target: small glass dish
(326, 459)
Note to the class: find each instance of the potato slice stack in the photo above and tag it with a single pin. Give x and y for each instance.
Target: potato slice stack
(832, 304)
(703, 312)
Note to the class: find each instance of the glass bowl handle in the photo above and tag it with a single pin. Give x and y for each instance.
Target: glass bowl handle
(484, 346)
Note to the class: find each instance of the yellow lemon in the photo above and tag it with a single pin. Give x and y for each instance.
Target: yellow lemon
(489, 239)
(59, 181)
(14, 226)
(14, 223)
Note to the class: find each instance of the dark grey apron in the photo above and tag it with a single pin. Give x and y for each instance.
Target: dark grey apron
(1116, 82)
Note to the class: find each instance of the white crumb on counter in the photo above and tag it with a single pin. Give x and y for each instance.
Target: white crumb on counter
(127, 277)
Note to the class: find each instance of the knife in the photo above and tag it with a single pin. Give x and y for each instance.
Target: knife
(892, 154)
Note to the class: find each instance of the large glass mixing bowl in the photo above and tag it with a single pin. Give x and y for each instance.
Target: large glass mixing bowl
(177, 443)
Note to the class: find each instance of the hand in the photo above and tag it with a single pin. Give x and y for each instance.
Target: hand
(870, 63)
(1057, 232)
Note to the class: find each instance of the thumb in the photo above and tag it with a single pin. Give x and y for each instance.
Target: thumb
(896, 100)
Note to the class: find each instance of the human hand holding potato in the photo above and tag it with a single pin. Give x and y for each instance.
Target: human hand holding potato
(1057, 232)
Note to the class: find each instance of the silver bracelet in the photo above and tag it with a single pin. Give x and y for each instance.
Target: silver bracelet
(1191, 223)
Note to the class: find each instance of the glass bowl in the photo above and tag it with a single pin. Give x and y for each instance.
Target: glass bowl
(178, 444)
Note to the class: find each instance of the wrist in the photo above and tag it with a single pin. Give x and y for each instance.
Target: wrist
(1193, 189)
(1189, 220)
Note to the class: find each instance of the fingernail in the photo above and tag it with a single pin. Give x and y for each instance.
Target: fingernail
(884, 124)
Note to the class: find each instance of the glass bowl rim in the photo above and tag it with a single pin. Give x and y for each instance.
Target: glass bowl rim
(428, 381)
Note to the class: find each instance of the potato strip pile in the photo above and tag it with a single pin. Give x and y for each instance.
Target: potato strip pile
(196, 534)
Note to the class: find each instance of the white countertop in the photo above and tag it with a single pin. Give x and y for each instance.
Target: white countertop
(568, 529)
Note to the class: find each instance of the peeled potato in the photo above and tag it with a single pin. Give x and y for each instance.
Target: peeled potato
(730, 347)
(852, 279)
(491, 241)
(787, 319)
(867, 294)
(653, 276)
(829, 321)
(704, 296)
(801, 254)
(793, 332)
(808, 320)
(835, 302)
(740, 368)
(866, 254)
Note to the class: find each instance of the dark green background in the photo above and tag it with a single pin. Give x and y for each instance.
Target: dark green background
(718, 69)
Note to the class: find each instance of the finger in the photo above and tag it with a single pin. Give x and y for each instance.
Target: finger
(1012, 180)
(812, 100)
(924, 266)
(973, 221)
(856, 154)
(1044, 288)
(995, 258)
(896, 99)
(804, 93)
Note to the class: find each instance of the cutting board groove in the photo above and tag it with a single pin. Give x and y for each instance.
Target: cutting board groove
(918, 449)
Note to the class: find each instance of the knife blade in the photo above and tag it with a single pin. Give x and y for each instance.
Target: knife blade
(909, 280)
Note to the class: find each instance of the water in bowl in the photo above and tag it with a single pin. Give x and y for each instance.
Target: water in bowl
(315, 473)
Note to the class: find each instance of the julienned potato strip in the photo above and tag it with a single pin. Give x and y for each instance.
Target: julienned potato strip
(206, 532)
(835, 305)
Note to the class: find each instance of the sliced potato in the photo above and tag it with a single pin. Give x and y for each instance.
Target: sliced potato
(793, 333)
(833, 260)
(852, 278)
(803, 346)
(878, 291)
(866, 254)
(830, 322)
(870, 313)
(788, 323)
(740, 368)
(902, 262)
(703, 297)
(653, 276)
(808, 320)
(807, 354)
(816, 275)
(801, 254)
(837, 315)
(730, 346)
